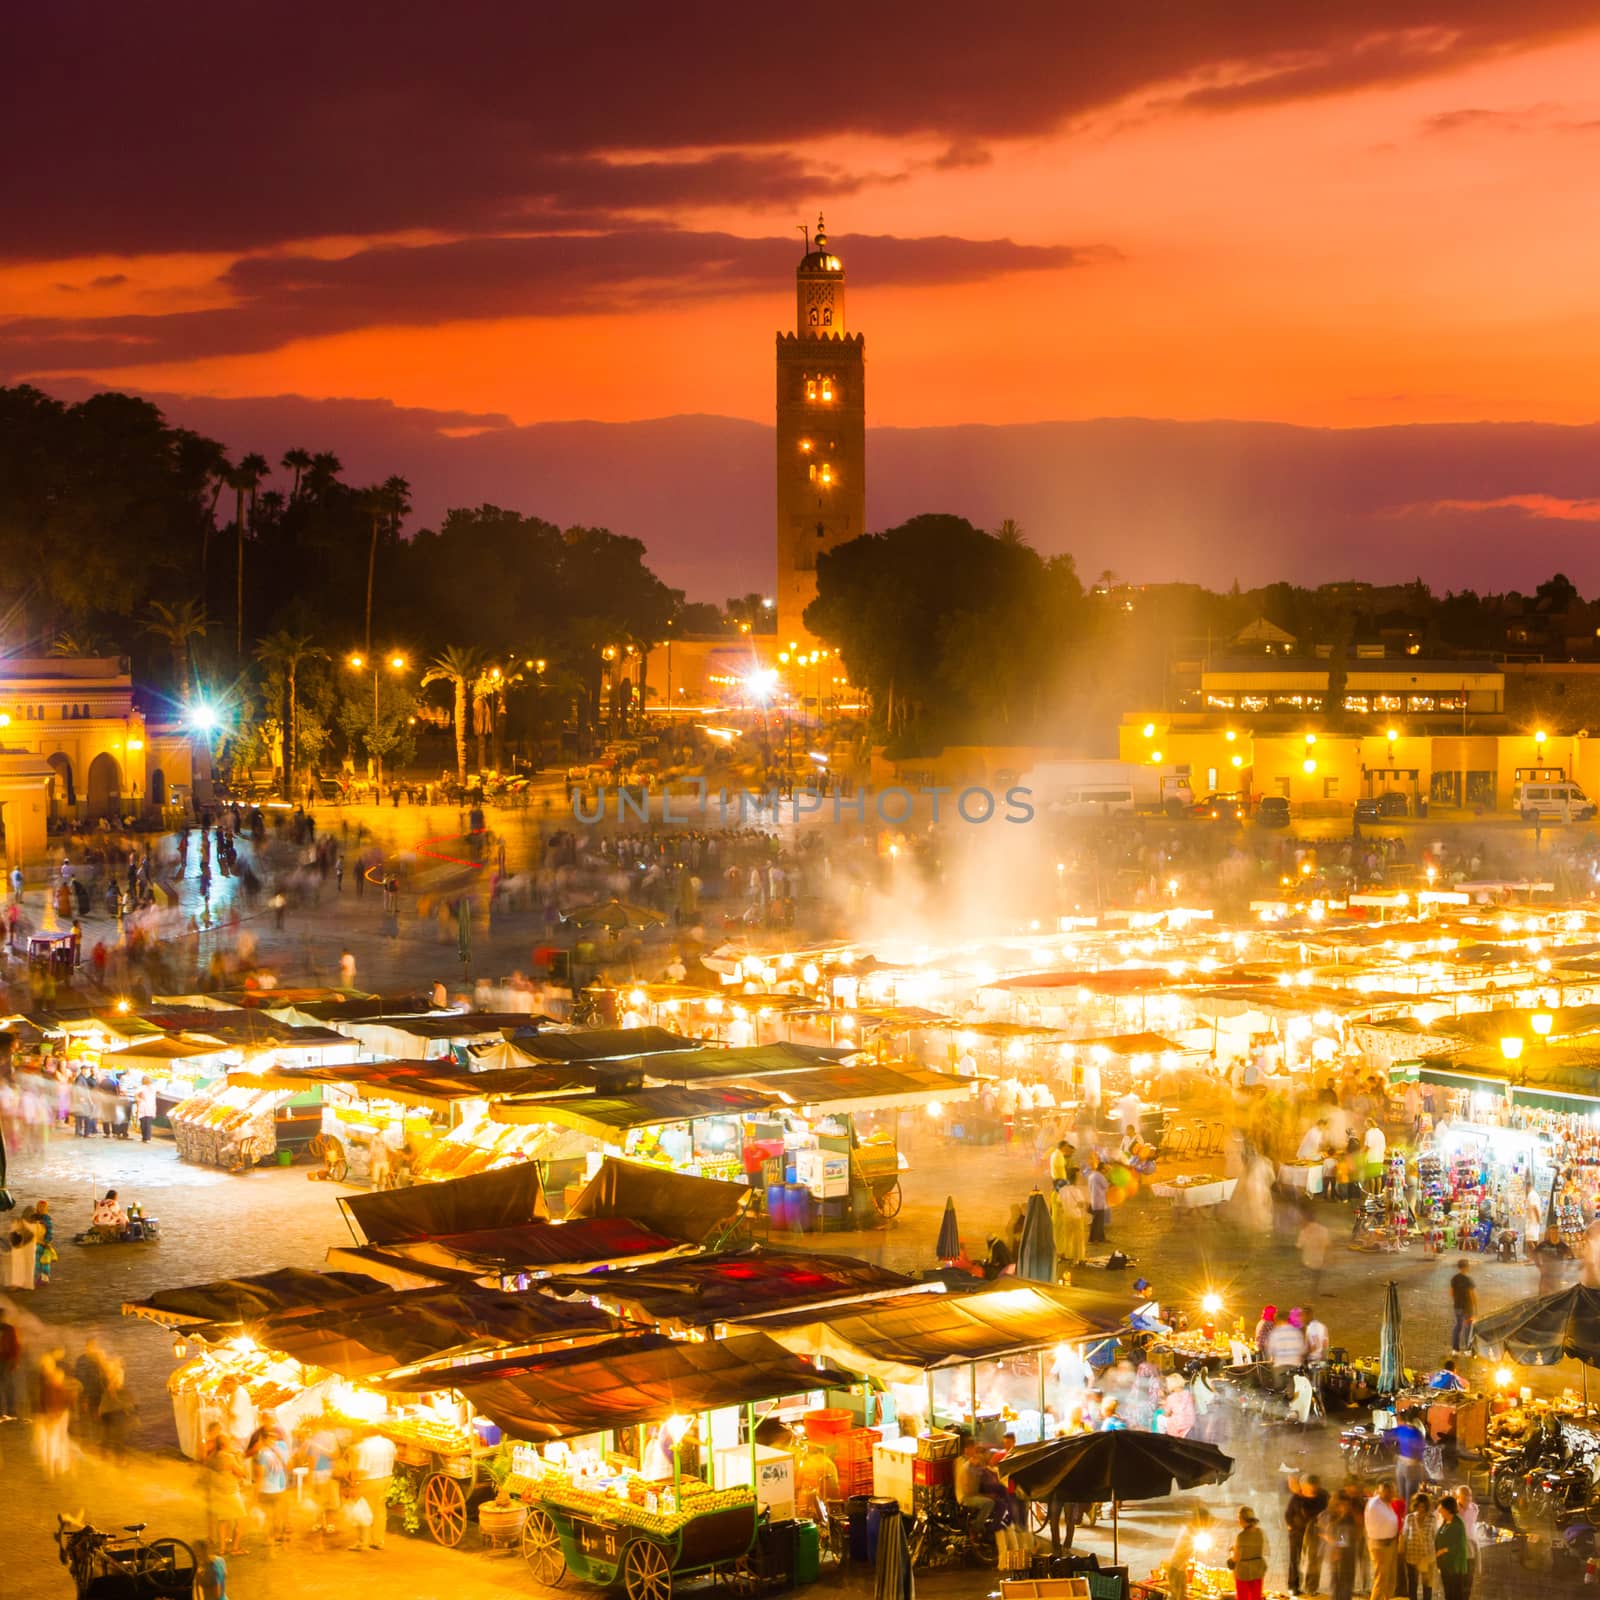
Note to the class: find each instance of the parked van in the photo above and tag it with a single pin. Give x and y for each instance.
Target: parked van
(1553, 802)
(1093, 800)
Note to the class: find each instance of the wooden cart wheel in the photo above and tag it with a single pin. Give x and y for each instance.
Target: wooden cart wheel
(541, 1547)
(645, 1573)
(444, 1509)
(888, 1202)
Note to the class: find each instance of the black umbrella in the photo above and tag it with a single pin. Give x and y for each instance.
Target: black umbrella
(949, 1245)
(1126, 1464)
(1036, 1251)
(1546, 1329)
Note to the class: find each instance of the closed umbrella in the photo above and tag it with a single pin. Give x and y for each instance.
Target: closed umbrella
(1391, 1347)
(464, 933)
(1128, 1464)
(949, 1245)
(892, 1580)
(1036, 1252)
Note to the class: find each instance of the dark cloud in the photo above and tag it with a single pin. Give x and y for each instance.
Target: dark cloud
(192, 125)
(1503, 119)
(279, 298)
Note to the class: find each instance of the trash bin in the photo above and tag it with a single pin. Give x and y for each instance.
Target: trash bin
(856, 1508)
(879, 1509)
(807, 1553)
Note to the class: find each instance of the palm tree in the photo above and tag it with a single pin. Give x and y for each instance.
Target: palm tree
(67, 643)
(387, 504)
(460, 666)
(247, 478)
(1010, 532)
(175, 626)
(297, 461)
(221, 474)
(287, 653)
(322, 474)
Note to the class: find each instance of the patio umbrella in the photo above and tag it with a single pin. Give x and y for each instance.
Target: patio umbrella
(1036, 1250)
(1127, 1464)
(1545, 1329)
(1391, 1348)
(613, 914)
(949, 1245)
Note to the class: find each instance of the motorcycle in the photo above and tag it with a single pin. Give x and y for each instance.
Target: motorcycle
(1554, 1491)
(1366, 1452)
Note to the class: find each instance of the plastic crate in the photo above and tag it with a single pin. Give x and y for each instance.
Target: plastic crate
(932, 1474)
(938, 1445)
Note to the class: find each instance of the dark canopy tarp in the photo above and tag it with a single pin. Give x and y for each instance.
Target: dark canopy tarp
(239, 1300)
(605, 1116)
(504, 1198)
(602, 1044)
(401, 1328)
(626, 1381)
(897, 1339)
(717, 1065)
(697, 1291)
(537, 1246)
(672, 1203)
(1542, 1331)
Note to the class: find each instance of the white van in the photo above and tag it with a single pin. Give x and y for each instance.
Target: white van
(1093, 800)
(1552, 802)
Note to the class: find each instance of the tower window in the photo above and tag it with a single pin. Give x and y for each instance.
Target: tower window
(813, 317)
(827, 316)
(821, 531)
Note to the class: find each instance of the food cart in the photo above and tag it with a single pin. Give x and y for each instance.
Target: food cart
(605, 1499)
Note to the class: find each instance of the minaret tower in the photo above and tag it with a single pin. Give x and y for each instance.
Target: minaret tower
(822, 434)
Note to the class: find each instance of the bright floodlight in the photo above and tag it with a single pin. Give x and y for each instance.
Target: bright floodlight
(762, 682)
(203, 718)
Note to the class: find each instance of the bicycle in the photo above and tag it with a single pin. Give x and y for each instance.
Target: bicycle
(106, 1564)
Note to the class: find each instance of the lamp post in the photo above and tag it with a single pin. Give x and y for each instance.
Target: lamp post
(396, 663)
(1511, 1050)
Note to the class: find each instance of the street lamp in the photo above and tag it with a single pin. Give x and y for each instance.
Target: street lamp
(395, 663)
(1511, 1049)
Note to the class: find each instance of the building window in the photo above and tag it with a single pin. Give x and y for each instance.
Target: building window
(822, 532)
(1330, 788)
(813, 316)
(827, 316)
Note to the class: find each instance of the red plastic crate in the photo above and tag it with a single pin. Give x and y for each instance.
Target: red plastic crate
(932, 1474)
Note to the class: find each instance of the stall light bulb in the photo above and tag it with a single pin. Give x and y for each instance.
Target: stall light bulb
(1502, 1377)
(1211, 1303)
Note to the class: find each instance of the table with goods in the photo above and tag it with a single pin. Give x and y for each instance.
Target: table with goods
(607, 1523)
(230, 1126)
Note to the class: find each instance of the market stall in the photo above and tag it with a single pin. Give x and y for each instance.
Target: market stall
(614, 1493)
(234, 1124)
(697, 1131)
(1011, 1358)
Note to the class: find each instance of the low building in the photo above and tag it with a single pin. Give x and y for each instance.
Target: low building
(76, 748)
(1325, 734)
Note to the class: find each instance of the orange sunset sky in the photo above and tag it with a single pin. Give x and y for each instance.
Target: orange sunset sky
(1385, 220)
(1347, 215)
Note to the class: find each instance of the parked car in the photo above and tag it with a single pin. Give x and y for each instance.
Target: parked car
(1226, 806)
(1374, 807)
(1273, 811)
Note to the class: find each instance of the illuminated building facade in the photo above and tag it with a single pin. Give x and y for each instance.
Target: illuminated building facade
(76, 749)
